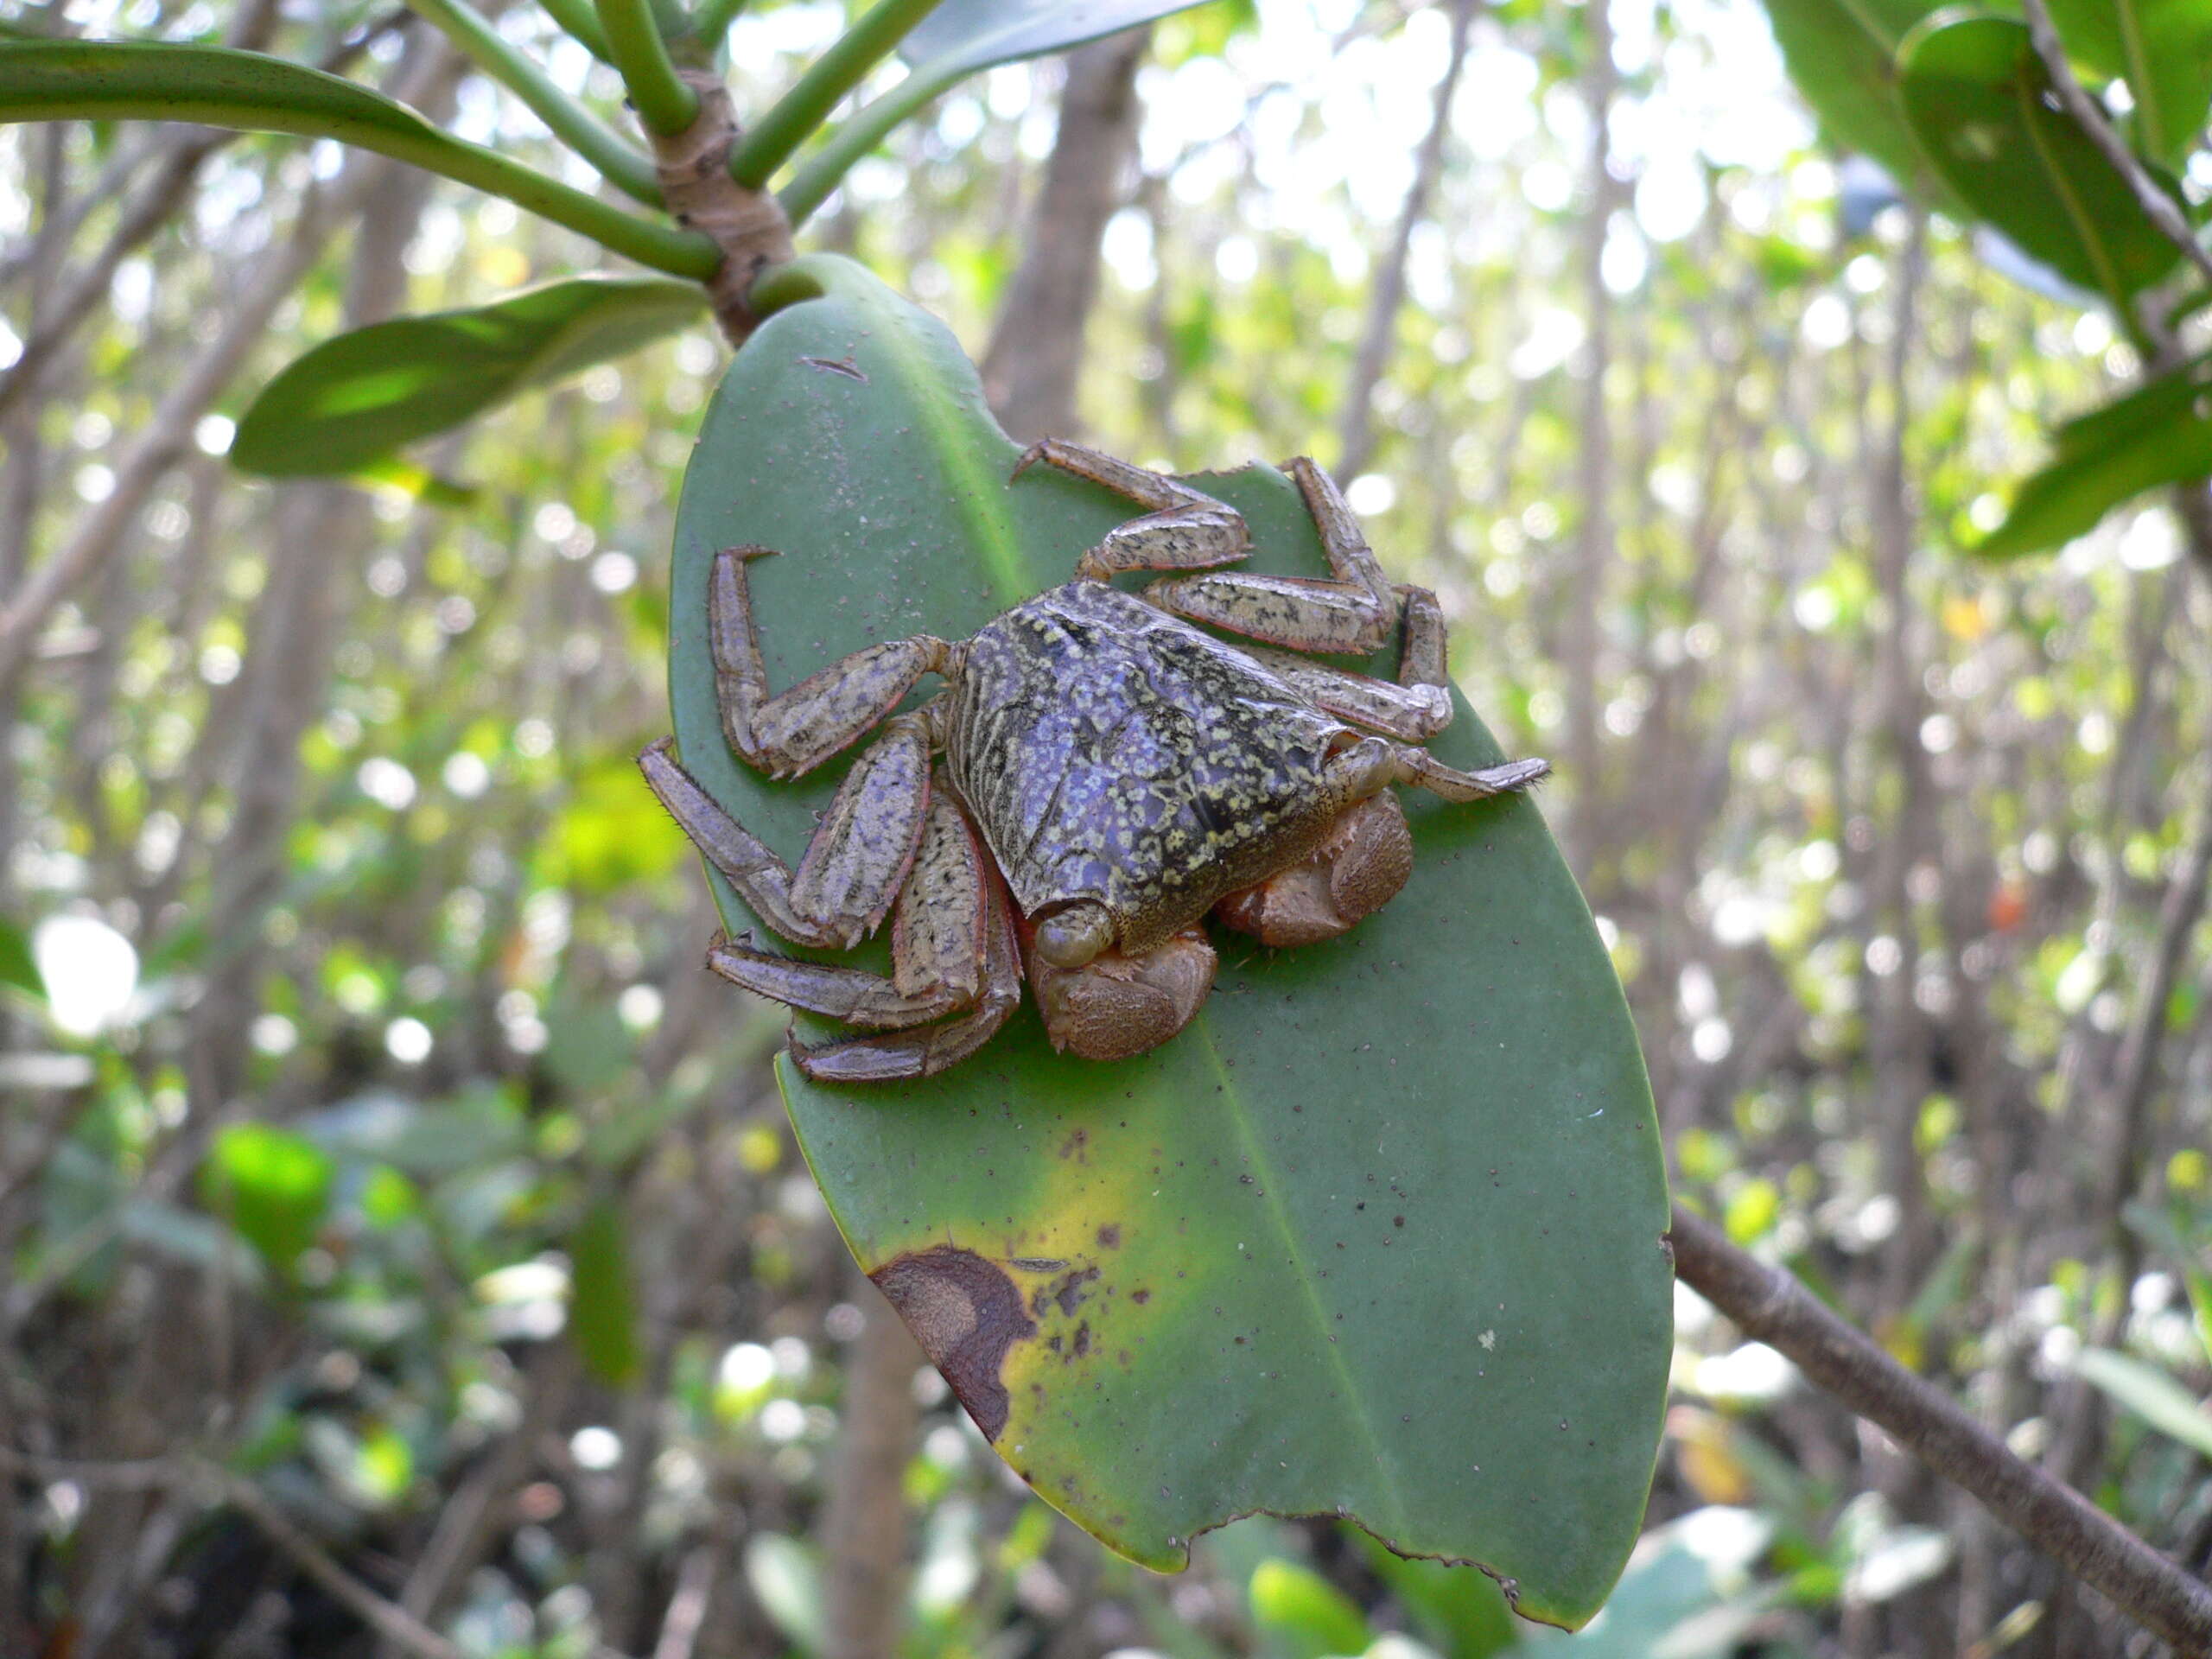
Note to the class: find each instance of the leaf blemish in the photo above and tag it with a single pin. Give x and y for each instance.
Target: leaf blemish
(966, 1313)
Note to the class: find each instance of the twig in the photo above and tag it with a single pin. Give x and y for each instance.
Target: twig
(169, 1474)
(2157, 204)
(1356, 439)
(387, 1618)
(1773, 1307)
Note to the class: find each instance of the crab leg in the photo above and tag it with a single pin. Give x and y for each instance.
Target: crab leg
(854, 862)
(1365, 768)
(825, 712)
(936, 943)
(930, 1050)
(1184, 531)
(1415, 709)
(1354, 612)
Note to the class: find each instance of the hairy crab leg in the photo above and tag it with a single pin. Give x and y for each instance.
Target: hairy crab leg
(856, 859)
(1505, 779)
(932, 1049)
(1185, 530)
(825, 712)
(938, 943)
(1415, 709)
(1352, 611)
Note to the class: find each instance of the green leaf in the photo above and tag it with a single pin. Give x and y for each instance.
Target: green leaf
(1302, 1615)
(2162, 49)
(249, 91)
(272, 1185)
(352, 402)
(2150, 1395)
(786, 1577)
(603, 1309)
(1842, 56)
(1378, 1236)
(1979, 100)
(2161, 433)
(18, 969)
(964, 36)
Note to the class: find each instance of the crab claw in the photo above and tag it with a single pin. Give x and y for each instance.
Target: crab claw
(1116, 1006)
(1356, 869)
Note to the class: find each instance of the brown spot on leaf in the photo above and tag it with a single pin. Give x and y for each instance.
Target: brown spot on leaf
(1110, 1236)
(966, 1313)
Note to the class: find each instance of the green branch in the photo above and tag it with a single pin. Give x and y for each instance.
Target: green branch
(581, 23)
(822, 171)
(664, 103)
(216, 86)
(627, 169)
(803, 109)
(711, 22)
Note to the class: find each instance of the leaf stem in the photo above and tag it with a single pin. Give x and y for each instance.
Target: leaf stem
(249, 92)
(801, 111)
(711, 22)
(664, 103)
(581, 23)
(822, 170)
(629, 170)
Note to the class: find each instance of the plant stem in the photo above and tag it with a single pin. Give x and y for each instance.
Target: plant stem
(820, 174)
(247, 91)
(581, 23)
(2158, 207)
(628, 170)
(801, 111)
(1773, 1307)
(712, 20)
(664, 103)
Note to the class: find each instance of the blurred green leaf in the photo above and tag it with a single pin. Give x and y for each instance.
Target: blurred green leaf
(2150, 1395)
(785, 1574)
(1280, 1286)
(352, 402)
(2161, 433)
(1841, 54)
(19, 970)
(1979, 102)
(603, 1309)
(2162, 49)
(272, 1185)
(610, 835)
(1753, 1209)
(962, 36)
(1302, 1615)
(1459, 1610)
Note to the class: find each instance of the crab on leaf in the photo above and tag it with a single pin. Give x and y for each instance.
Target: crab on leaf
(1098, 774)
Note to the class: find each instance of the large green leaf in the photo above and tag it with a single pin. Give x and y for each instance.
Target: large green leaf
(218, 87)
(358, 399)
(1379, 1235)
(1979, 102)
(963, 36)
(2162, 49)
(2159, 434)
(1842, 56)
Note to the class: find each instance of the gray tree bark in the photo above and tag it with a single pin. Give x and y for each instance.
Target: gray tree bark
(1029, 373)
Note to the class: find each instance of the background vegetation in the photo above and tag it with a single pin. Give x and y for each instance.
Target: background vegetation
(394, 1209)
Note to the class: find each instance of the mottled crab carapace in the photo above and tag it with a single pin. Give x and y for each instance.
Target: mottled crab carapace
(1097, 775)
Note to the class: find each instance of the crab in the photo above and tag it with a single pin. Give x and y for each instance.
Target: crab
(1096, 776)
